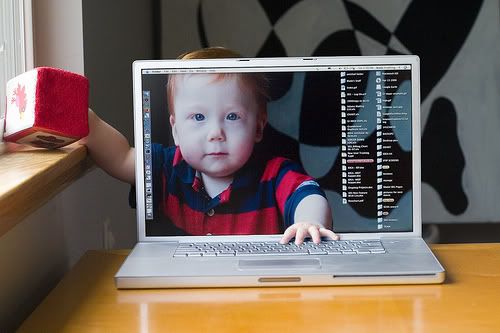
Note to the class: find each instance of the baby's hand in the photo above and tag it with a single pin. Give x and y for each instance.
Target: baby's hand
(302, 229)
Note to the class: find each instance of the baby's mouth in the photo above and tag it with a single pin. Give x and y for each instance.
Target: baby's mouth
(217, 154)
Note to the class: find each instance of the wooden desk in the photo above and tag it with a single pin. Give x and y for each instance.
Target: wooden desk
(87, 301)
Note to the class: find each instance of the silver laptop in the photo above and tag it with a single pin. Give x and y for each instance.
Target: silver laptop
(353, 123)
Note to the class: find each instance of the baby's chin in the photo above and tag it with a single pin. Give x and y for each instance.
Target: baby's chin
(216, 172)
(218, 167)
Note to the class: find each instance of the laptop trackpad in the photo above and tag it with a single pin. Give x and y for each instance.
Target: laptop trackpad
(251, 264)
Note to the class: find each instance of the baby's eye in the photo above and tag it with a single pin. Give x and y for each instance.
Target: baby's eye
(232, 116)
(199, 117)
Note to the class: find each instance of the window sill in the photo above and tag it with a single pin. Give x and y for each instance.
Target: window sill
(29, 177)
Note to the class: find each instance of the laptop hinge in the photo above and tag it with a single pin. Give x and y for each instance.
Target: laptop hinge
(399, 237)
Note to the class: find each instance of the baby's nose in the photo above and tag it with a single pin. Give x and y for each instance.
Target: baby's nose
(216, 133)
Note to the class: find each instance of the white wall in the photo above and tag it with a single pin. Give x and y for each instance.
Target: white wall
(93, 212)
(58, 34)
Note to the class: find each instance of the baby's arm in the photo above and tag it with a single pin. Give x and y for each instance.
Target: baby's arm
(312, 218)
(110, 149)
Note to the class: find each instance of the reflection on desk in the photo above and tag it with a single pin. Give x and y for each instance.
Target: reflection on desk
(86, 300)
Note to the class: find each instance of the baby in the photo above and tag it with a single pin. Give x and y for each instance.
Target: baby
(211, 182)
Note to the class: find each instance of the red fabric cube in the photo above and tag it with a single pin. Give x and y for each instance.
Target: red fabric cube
(47, 107)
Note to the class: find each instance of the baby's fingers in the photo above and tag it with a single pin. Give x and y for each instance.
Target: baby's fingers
(300, 235)
(328, 233)
(288, 235)
(314, 233)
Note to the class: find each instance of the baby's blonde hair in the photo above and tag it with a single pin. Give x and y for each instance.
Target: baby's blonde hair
(257, 83)
(210, 53)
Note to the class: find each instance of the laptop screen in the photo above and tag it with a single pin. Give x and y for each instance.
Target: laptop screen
(347, 126)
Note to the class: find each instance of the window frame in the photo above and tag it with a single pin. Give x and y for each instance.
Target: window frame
(16, 45)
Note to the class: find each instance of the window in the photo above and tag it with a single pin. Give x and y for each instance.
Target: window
(16, 44)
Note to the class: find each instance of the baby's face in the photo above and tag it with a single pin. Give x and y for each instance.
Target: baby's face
(216, 123)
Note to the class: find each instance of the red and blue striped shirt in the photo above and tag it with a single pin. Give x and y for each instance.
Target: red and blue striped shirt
(261, 199)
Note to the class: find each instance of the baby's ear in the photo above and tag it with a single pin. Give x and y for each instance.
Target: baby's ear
(174, 129)
(261, 124)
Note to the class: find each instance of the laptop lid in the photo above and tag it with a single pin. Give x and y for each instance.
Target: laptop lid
(352, 122)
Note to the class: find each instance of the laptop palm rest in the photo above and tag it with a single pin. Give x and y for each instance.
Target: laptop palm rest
(257, 264)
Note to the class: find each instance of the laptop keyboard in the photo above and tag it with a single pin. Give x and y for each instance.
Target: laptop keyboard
(231, 249)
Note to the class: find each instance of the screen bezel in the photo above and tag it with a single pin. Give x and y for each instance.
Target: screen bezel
(275, 64)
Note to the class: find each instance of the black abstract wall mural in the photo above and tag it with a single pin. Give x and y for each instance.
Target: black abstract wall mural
(459, 47)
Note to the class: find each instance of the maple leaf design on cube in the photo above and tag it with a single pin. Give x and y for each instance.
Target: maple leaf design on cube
(19, 99)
